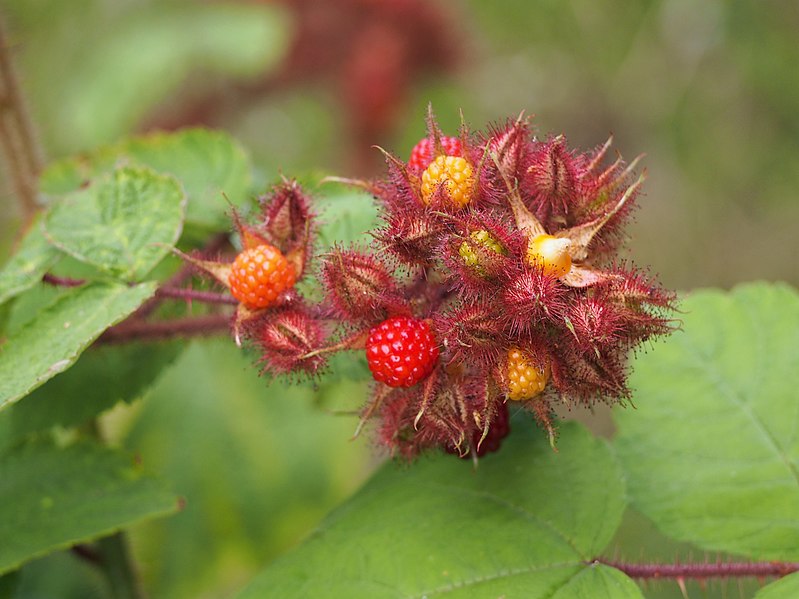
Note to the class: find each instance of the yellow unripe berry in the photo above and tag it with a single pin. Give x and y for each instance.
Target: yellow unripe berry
(457, 176)
(485, 239)
(525, 379)
(550, 254)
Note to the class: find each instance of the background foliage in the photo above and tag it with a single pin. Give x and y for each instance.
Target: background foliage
(704, 89)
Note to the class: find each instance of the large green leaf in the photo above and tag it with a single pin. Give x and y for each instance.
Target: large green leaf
(711, 450)
(258, 463)
(30, 262)
(54, 497)
(207, 163)
(527, 523)
(101, 377)
(121, 223)
(785, 588)
(50, 343)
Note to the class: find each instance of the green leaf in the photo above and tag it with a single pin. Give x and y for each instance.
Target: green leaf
(132, 59)
(346, 216)
(30, 262)
(54, 497)
(711, 451)
(122, 223)
(528, 523)
(258, 464)
(784, 588)
(101, 377)
(210, 165)
(52, 342)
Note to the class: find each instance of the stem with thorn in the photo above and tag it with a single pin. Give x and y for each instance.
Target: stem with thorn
(703, 570)
(17, 139)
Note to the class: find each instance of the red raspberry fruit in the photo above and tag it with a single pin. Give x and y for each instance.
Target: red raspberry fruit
(259, 275)
(401, 351)
(423, 153)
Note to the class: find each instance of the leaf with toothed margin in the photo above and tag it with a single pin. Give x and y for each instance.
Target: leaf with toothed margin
(123, 223)
(55, 497)
(210, 165)
(528, 522)
(711, 451)
(32, 259)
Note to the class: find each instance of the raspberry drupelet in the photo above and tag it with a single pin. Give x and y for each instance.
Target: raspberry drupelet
(259, 275)
(401, 351)
(424, 152)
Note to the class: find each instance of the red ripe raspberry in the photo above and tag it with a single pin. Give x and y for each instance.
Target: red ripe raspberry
(259, 275)
(401, 351)
(423, 153)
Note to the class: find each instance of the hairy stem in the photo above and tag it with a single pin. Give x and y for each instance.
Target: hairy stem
(214, 246)
(208, 297)
(57, 281)
(136, 330)
(17, 139)
(703, 570)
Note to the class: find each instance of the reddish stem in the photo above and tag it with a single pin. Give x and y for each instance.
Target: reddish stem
(704, 570)
(62, 281)
(17, 138)
(137, 330)
(214, 245)
(208, 297)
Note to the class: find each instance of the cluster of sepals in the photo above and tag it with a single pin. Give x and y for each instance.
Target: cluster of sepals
(575, 326)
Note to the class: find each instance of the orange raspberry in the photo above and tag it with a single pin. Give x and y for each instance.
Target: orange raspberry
(525, 379)
(259, 275)
(457, 176)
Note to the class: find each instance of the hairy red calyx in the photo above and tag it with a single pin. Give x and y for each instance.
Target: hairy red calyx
(499, 262)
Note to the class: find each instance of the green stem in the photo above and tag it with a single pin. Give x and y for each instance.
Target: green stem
(118, 566)
(114, 557)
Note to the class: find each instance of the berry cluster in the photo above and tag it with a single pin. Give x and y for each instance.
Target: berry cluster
(493, 279)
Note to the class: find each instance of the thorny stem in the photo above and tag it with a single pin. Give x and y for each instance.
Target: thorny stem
(214, 245)
(208, 297)
(17, 139)
(57, 281)
(137, 330)
(703, 570)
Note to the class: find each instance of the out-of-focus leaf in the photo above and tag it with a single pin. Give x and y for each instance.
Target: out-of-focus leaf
(131, 59)
(210, 165)
(528, 522)
(711, 451)
(785, 588)
(101, 377)
(51, 342)
(63, 575)
(30, 262)
(258, 464)
(54, 497)
(122, 223)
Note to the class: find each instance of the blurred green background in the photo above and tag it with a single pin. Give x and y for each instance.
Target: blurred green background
(708, 90)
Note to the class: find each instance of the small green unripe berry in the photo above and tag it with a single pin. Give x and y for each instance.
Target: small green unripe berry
(485, 239)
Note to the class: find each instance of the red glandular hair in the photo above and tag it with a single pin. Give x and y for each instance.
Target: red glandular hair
(471, 271)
